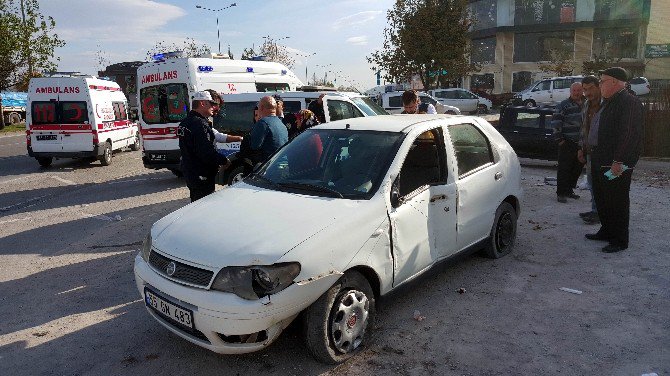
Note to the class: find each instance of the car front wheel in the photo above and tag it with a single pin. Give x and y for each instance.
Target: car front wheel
(340, 321)
(106, 156)
(503, 233)
(236, 175)
(529, 103)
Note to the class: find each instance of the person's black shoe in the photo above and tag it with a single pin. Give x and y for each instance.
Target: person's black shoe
(586, 214)
(562, 199)
(572, 195)
(611, 248)
(592, 220)
(597, 236)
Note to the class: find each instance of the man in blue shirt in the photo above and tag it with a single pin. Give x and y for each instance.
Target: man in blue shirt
(269, 133)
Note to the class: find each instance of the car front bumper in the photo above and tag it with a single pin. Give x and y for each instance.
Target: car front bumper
(225, 323)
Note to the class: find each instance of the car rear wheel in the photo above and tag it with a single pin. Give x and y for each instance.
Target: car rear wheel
(176, 172)
(44, 161)
(450, 112)
(529, 103)
(503, 233)
(136, 145)
(106, 156)
(236, 175)
(340, 321)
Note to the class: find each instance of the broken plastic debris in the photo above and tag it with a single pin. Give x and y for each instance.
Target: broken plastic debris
(573, 291)
(460, 290)
(418, 317)
(117, 217)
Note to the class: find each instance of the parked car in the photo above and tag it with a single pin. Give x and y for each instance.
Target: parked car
(639, 85)
(344, 213)
(465, 100)
(529, 131)
(392, 102)
(548, 92)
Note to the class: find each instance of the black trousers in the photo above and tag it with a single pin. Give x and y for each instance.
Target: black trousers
(613, 203)
(200, 188)
(569, 168)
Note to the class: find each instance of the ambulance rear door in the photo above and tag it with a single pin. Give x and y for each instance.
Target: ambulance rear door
(76, 115)
(41, 118)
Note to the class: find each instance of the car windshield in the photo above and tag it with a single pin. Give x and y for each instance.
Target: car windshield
(338, 163)
(529, 87)
(369, 106)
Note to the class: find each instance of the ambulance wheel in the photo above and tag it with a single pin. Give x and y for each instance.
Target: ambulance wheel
(236, 175)
(44, 161)
(136, 145)
(106, 157)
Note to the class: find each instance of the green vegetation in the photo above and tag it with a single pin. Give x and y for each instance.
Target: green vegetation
(18, 127)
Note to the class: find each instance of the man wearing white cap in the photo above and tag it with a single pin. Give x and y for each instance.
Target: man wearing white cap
(199, 159)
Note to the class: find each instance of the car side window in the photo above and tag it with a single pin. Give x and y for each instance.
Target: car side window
(291, 107)
(471, 146)
(395, 101)
(543, 85)
(529, 121)
(563, 83)
(424, 164)
(339, 110)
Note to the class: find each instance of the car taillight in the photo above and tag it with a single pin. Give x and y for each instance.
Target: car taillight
(28, 138)
(95, 138)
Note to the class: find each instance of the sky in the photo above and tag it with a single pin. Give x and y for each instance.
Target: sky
(341, 32)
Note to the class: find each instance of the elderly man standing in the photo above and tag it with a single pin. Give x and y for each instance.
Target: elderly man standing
(567, 121)
(269, 133)
(618, 148)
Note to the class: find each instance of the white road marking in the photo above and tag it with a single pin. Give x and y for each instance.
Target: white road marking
(70, 290)
(6, 208)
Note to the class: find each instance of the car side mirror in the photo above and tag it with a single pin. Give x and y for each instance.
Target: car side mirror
(395, 194)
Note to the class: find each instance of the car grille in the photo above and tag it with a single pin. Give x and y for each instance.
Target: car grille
(183, 272)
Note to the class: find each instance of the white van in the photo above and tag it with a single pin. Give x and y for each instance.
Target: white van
(165, 90)
(392, 102)
(72, 116)
(547, 92)
(236, 116)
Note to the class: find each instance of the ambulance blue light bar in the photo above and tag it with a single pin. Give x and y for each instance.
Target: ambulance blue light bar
(205, 68)
(250, 70)
(167, 55)
(283, 72)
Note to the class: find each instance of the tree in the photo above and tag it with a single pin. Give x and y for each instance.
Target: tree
(428, 38)
(559, 61)
(189, 47)
(272, 52)
(600, 62)
(28, 43)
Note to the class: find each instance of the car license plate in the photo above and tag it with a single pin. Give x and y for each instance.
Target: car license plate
(158, 157)
(165, 308)
(46, 137)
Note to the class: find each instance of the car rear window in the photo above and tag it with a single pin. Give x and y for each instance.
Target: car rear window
(54, 112)
(235, 118)
(161, 104)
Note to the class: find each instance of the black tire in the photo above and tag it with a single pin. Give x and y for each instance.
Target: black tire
(106, 156)
(503, 232)
(14, 118)
(235, 175)
(529, 103)
(136, 145)
(44, 161)
(341, 320)
(450, 112)
(176, 172)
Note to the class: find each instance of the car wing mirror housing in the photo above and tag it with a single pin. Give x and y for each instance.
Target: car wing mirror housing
(396, 200)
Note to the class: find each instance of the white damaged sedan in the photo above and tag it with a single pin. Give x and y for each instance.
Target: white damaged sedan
(343, 214)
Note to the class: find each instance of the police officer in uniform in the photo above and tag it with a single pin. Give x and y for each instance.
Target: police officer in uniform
(199, 159)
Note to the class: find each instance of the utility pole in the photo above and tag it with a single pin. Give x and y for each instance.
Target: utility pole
(26, 38)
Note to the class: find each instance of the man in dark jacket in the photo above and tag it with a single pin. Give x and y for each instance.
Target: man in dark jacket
(567, 121)
(199, 159)
(619, 144)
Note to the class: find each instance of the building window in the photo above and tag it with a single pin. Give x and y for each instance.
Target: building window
(484, 51)
(533, 47)
(534, 12)
(484, 13)
(521, 80)
(615, 43)
(482, 83)
(618, 9)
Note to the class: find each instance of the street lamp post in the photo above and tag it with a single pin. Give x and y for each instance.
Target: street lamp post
(218, 34)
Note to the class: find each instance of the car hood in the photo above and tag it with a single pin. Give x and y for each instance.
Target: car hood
(245, 225)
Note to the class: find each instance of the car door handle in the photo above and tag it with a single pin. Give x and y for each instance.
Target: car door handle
(498, 175)
(515, 131)
(438, 197)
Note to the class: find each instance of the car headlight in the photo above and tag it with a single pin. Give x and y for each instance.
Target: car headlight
(255, 282)
(146, 247)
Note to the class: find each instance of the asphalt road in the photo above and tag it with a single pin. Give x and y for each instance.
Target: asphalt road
(69, 305)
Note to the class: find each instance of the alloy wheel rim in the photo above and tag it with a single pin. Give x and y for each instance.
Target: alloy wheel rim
(349, 320)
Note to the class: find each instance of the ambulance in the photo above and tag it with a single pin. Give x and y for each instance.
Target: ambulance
(167, 85)
(76, 116)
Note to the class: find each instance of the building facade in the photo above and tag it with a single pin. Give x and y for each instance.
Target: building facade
(511, 39)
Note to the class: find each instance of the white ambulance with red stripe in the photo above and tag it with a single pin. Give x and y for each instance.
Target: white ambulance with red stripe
(74, 116)
(166, 88)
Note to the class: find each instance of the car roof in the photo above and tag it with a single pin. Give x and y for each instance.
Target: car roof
(388, 123)
(291, 95)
